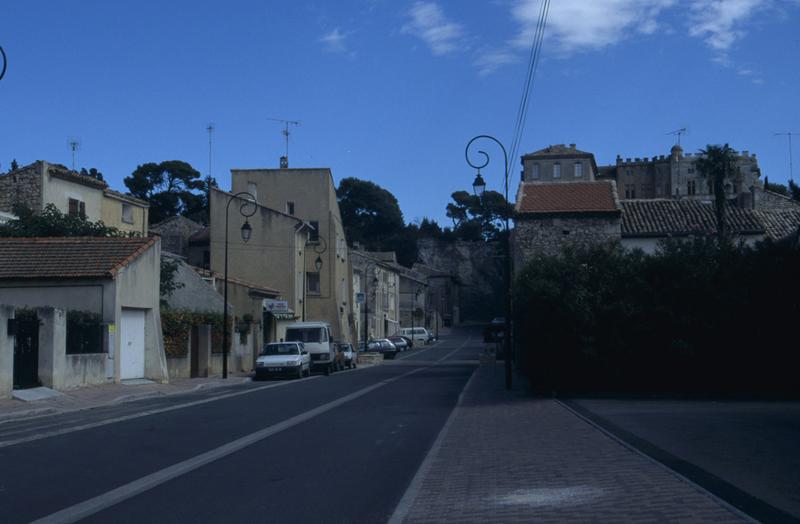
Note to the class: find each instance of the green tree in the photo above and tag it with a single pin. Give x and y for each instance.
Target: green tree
(172, 188)
(717, 164)
(14, 165)
(794, 191)
(478, 218)
(775, 188)
(53, 223)
(370, 213)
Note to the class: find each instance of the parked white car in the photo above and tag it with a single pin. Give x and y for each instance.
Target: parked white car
(283, 359)
(317, 339)
(417, 334)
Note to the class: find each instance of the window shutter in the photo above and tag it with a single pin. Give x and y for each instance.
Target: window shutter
(83, 209)
(73, 207)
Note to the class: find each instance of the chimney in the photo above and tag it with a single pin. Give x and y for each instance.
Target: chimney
(284, 162)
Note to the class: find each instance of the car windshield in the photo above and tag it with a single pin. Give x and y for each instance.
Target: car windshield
(280, 349)
(305, 335)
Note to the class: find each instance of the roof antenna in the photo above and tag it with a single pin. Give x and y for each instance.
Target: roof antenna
(285, 133)
(210, 128)
(789, 134)
(679, 132)
(74, 144)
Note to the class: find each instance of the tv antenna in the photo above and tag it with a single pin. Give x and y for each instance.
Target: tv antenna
(678, 132)
(210, 128)
(75, 145)
(285, 131)
(789, 134)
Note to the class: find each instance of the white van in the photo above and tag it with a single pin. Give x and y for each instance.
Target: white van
(417, 334)
(318, 341)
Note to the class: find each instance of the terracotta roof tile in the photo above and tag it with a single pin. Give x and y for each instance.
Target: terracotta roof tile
(68, 257)
(779, 224)
(683, 217)
(567, 197)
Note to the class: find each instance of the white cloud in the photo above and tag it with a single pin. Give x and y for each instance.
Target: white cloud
(429, 23)
(720, 23)
(577, 25)
(490, 60)
(335, 41)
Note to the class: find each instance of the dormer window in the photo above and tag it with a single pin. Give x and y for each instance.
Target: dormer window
(578, 170)
(556, 170)
(535, 171)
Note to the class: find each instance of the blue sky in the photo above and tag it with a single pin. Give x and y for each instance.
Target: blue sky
(391, 91)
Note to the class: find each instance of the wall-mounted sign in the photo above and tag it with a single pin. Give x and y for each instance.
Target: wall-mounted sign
(360, 298)
(276, 306)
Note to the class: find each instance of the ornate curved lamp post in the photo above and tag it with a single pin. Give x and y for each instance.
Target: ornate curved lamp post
(320, 247)
(246, 231)
(4, 65)
(375, 283)
(479, 186)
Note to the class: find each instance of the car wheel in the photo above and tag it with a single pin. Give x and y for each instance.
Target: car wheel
(300, 372)
(328, 369)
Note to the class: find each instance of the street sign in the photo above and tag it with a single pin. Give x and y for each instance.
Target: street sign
(276, 306)
(360, 298)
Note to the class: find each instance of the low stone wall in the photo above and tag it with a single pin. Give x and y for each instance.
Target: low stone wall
(369, 359)
(179, 367)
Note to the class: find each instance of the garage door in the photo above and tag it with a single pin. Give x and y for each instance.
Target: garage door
(131, 360)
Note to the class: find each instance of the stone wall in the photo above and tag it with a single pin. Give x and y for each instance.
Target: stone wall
(550, 235)
(770, 201)
(23, 185)
(479, 269)
(175, 233)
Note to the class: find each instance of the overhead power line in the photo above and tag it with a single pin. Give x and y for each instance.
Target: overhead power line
(533, 64)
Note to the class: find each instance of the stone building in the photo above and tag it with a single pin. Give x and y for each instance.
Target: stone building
(175, 233)
(376, 281)
(42, 183)
(551, 216)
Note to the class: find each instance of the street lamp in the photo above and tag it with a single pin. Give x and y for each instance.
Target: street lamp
(479, 186)
(320, 246)
(366, 304)
(246, 231)
(413, 312)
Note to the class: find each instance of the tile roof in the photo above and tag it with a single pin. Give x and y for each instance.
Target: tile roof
(68, 257)
(567, 197)
(238, 281)
(779, 224)
(557, 150)
(663, 217)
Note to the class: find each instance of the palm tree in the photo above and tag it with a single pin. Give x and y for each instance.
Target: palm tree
(718, 163)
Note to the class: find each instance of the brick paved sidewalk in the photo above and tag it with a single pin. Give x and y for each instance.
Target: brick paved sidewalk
(94, 396)
(506, 457)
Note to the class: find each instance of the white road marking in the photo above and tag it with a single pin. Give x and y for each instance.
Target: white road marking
(104, 422)
(115, 496)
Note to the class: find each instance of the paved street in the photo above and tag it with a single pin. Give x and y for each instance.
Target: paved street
(336, 449)
(429, 437)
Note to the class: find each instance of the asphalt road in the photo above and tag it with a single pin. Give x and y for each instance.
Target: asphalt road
(325, 449)
(745, 452)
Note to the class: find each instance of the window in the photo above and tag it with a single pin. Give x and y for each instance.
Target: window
(312, 280)
(659, 190)
(535, 171)
(690, 187)
(127, 213)
(690, 170)
(252, 188)
(556, 170)
(77, 208)
(630, 191)
(290, 208)
(314, 235)
(578, 170)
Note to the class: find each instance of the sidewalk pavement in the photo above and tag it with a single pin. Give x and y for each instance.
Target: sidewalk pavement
(509, 457)
(94, 396)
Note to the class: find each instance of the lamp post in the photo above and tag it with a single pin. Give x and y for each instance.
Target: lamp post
(413, 312)
(479, 186)
(246, 231)
(319, 248)
(366, 304)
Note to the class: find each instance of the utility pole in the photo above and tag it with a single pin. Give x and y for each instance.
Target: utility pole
(791, 167)
(286, 134)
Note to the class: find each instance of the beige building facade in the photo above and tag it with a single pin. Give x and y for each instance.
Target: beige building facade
(309, 195)
(72, 193)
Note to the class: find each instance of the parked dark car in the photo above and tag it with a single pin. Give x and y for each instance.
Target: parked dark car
(383, 346)
(402, 343)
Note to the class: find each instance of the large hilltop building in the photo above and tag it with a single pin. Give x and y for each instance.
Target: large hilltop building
(566, 199)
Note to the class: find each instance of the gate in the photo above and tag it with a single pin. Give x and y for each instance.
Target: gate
(26, 350)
